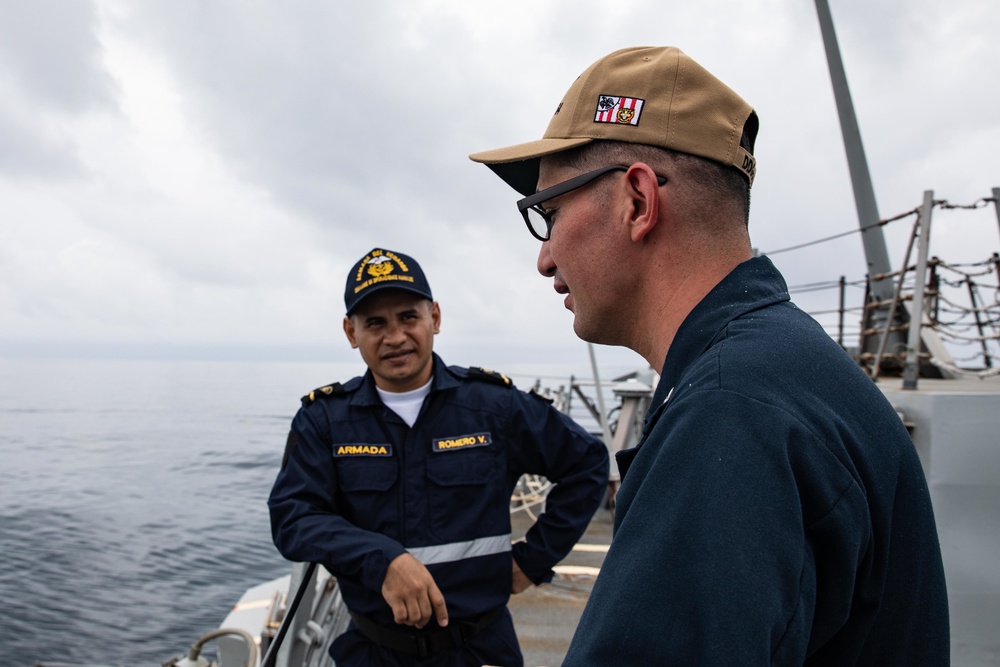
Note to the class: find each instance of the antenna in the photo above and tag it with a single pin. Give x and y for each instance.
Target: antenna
(881, 288)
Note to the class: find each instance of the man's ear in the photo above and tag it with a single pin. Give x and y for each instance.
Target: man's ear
(436, 316)
(349, 331)
(644, 189)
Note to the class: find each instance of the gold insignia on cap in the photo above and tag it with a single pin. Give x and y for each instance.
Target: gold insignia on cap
(380, 266)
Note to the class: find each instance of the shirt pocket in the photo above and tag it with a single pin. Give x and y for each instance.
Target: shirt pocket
(465, 495)
(367, 492)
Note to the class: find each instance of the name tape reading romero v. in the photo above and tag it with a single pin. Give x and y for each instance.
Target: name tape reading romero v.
(462, 442)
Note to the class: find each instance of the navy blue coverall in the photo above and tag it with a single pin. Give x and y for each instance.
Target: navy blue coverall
(775, 511)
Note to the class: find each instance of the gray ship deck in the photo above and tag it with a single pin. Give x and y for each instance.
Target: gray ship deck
(546, 616)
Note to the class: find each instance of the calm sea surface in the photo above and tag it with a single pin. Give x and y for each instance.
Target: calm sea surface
(133, 501)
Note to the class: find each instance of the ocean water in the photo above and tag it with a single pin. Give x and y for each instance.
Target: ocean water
(133, 501)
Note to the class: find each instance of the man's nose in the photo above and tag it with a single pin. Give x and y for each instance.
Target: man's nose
(545, 265)
(394, 333)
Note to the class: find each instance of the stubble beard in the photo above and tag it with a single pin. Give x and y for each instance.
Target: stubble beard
(597, 328)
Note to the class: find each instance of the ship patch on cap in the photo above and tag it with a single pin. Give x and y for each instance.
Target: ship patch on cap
(618, 110)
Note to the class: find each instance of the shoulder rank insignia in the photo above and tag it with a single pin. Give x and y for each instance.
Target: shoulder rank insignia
(540, 396)
(323, 392)
(480, 373)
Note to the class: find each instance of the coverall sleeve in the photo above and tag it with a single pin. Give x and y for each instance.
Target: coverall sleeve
(547, 442)
(305, 523)
(735, 520)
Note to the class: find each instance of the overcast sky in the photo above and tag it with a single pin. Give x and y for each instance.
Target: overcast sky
(193, 178)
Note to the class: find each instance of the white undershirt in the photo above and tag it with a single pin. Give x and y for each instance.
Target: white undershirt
(406, 404)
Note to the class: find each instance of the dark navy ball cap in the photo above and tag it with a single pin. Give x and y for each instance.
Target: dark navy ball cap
(384, 269)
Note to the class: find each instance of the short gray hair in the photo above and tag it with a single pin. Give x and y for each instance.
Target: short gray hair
(721, 182)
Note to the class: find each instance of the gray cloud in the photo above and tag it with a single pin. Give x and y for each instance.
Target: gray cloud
(239, 157)
(30, 150)
(50, 50)
(50, 70)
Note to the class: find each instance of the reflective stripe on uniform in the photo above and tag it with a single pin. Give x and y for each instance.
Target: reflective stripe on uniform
(447, 553)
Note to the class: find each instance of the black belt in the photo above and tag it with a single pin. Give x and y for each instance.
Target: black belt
(425, 644)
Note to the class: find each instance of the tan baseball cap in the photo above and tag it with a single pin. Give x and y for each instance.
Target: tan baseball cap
(646, 95)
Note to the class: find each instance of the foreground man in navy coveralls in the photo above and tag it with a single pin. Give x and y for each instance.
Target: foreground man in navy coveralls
(775, 511)
(399, 483)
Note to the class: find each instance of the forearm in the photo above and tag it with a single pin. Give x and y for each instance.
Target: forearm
(569, 507)
(347, 551)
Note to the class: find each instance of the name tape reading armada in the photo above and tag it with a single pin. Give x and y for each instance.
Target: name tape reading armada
(363, 450)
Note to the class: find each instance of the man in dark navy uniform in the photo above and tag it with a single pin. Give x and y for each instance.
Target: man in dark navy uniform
(398, 482)
(775, 511)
